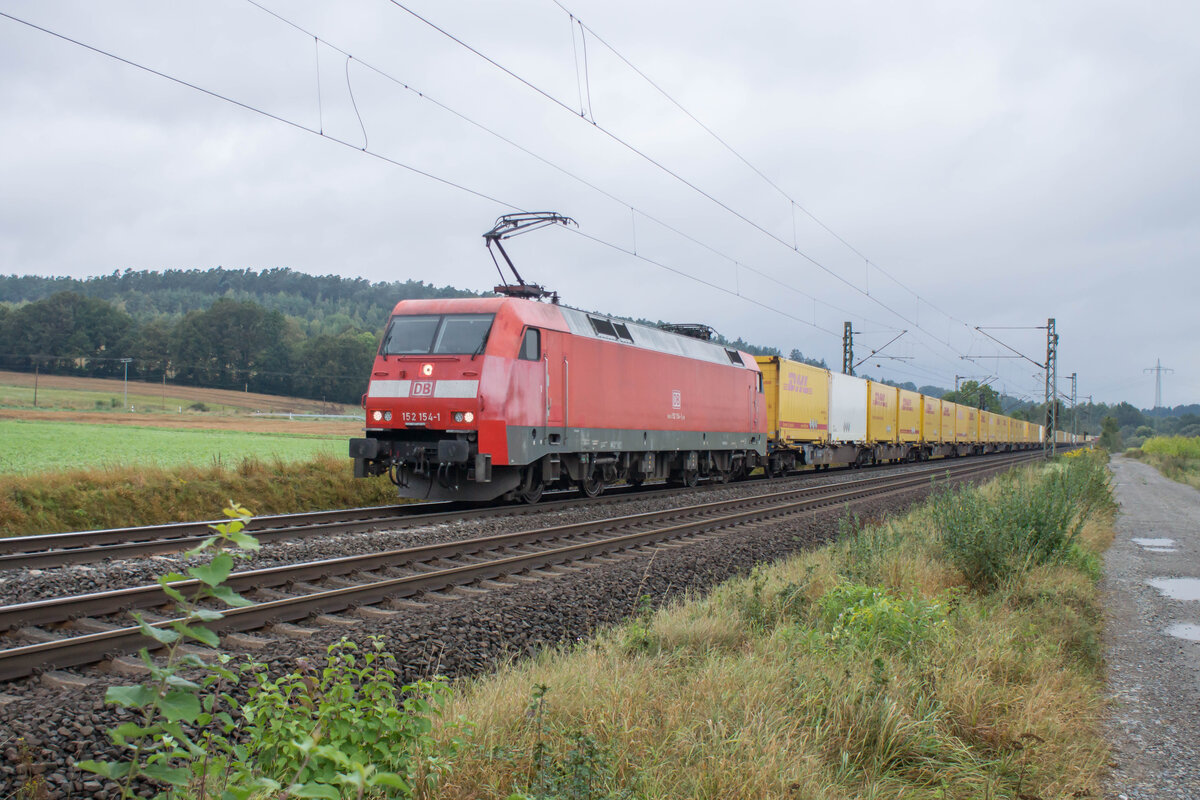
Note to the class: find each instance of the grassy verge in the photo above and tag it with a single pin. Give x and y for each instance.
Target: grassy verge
(954, 652)
(1177, 457)
(120, 496)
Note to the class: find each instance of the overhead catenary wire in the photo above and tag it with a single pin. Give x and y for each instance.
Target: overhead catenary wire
(300, 126)
(482, 195)
(557, 167)
(667, 170)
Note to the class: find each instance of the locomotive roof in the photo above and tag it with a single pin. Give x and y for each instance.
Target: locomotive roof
(587, 324)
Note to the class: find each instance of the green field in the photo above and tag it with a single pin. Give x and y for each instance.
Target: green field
(28, 447)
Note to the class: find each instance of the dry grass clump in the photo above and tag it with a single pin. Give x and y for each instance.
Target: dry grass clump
(121, 496)
(870, 668)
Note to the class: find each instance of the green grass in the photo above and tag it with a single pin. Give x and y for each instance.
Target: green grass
(30, 447)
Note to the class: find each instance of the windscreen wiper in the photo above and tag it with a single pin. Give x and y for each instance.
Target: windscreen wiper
(483, 341)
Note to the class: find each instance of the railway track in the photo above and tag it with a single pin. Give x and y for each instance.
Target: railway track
(85, 629)
(86, 547)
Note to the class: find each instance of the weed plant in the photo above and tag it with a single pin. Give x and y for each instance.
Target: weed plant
(1022, 523)
(345, 730)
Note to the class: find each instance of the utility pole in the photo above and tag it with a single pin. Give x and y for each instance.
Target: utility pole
(1048, 444)
(1158, 369)
(847, 349)
(1074, 413)
(126, 361)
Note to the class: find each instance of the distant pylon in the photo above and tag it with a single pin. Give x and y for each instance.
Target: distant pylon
(1158, 369)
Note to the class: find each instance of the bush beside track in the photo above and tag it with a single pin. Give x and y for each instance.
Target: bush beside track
(123, 496)
(953, 652)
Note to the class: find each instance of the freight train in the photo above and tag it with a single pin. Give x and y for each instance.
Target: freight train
(503, 397)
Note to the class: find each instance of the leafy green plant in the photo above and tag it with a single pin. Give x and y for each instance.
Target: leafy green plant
(863, 616)
(347, 726)
(344, 730)
(170, 706)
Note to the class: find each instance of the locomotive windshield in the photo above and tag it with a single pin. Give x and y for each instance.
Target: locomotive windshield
(436, 334)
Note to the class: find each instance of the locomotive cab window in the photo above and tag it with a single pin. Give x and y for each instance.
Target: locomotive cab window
(531, 345)
(436, 334)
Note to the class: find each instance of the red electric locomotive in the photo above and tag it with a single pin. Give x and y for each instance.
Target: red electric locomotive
(501, 397)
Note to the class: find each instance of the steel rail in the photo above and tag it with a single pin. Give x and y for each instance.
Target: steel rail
(82, 547)
(88, 648)
(55, 610)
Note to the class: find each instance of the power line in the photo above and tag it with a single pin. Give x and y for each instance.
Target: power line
(750, 165)
(374, 154)
(553, 165)
(651, 160)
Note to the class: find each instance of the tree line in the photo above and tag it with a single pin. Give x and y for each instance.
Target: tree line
(232, 344)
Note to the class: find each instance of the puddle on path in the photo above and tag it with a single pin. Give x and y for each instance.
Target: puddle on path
(1183, 630)
(1177, 588)
(1154, 542)
(1160, 549)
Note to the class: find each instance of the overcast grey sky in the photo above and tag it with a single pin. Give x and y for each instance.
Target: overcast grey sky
(1003, 162)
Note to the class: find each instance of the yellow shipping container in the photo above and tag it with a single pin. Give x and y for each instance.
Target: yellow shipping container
(797, 400)
(931, 419)
(948, 416)
(972, 424)
(908, 418)
(881, 412)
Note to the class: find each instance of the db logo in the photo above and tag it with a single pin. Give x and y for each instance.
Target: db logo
(422, 389)
(676, 399)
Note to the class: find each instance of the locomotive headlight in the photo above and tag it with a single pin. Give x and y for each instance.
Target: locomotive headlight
(469, 416)
(387, 416)
(377, 415)
(458, 416)
(427, 370)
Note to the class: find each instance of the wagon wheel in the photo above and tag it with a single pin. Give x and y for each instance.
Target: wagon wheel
(721, 476)
(591, 486)
(635, 482)
(690, 478)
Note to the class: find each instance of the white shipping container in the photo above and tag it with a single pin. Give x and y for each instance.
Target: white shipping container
(847, 408)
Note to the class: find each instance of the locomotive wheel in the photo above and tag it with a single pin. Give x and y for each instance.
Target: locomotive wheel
(591, 486)
(533, 495)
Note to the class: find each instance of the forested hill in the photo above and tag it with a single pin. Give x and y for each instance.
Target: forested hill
(319, 303)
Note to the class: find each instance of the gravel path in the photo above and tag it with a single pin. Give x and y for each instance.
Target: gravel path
(1154, 676)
